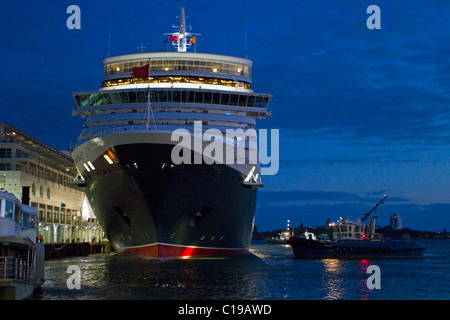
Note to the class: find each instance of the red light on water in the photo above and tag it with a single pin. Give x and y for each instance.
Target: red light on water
(364, 236)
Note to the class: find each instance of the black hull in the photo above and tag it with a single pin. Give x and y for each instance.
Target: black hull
(148, 206)
(354, 249)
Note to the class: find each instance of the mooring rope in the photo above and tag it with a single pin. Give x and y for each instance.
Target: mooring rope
(58, 248)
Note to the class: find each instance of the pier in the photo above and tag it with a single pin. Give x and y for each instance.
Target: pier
(55, 250)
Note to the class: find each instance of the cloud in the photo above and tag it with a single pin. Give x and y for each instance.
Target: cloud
(292, 163)
(315, 207)
(300, 197)
(391, 85)
(268, 197)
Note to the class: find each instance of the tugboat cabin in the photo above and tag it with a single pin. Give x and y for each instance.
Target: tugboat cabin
(346, 229)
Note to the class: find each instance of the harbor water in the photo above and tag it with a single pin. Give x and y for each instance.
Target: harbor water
(270, 272)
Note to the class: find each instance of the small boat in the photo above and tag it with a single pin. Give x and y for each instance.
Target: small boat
(276, 240)
(283, 237)
(353, 239)
(21, 256)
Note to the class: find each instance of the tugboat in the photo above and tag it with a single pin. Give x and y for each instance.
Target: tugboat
(355, 240)
(21, 256)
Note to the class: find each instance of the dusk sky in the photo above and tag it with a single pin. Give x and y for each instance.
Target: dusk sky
(361, 113)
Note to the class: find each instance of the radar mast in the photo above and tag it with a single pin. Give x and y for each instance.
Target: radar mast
(182, 39)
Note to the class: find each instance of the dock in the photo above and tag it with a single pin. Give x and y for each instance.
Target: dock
(60, 250)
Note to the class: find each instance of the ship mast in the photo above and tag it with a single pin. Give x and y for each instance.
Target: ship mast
(182, 32)
(180, 39)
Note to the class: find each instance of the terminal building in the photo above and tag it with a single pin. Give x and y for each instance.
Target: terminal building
(40, 175)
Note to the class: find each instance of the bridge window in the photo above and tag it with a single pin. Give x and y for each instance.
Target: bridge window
(190, 65)
(18, 215)
(9, 209)
(179, 79)
(29, 221)
(172, 96)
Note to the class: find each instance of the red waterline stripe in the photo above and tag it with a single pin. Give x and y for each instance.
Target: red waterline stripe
(159, 250)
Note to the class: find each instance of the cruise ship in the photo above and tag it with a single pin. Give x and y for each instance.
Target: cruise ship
(146, 200)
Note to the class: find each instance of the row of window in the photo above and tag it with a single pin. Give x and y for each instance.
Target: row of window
(54, 214)
(5, 166)
(8, 153)
(53, 233)
(41, 191)
(141, 125)
(44, 173)
(49, 214)
(60, 172)
(171, 96)
(177, 79)
(351, 228)
(5, 153)
(188, 65)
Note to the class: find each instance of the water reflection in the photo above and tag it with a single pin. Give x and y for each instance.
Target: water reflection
(333, 278)
(362, 275)
(271, 272)
(342, 279)
(128, 277)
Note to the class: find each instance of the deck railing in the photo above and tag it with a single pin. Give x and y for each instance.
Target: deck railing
(16, 269)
